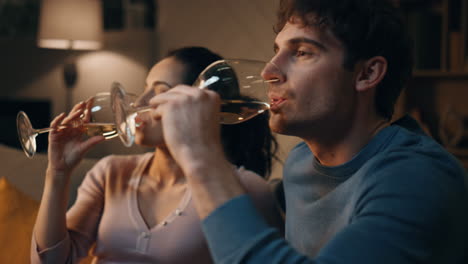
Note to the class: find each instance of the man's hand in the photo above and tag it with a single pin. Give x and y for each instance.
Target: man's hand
(190, 120)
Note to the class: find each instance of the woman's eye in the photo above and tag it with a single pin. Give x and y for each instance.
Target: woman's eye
(162, 89)
(143, 100)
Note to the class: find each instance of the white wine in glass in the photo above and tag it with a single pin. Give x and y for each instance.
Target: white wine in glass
(239, 83)
(238, 111)
(101, 124)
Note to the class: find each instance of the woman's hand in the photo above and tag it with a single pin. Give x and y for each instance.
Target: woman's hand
(66, 146)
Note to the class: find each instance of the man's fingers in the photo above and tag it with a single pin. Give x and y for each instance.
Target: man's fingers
(180, 92)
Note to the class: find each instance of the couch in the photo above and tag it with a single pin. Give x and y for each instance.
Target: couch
(21, 184)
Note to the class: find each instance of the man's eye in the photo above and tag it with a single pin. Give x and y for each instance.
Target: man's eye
(300, 53)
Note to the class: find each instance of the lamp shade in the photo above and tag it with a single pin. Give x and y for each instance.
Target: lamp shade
(70, 24)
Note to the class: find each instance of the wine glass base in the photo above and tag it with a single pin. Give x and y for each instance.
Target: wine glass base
(26, 134)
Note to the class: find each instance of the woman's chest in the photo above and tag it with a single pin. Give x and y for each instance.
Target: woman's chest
(123, 232)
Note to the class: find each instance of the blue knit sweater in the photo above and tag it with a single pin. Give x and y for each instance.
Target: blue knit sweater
(401, 199)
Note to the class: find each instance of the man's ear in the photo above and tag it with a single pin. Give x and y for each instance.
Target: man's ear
(371, 73)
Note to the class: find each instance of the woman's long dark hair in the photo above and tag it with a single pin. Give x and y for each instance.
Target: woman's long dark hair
(249, 144)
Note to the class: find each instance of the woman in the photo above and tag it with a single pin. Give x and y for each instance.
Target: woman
(138, 208)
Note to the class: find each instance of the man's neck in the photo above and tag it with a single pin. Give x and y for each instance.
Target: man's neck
(338, 148)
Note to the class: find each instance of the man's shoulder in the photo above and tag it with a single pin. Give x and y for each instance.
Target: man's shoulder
(412, 161)
(414, 150)
(414, 165)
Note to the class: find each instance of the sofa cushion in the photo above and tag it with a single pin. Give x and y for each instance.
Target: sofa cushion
(17, 216)
(28, 174)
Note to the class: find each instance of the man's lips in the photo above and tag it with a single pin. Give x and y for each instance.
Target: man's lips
(276, 102)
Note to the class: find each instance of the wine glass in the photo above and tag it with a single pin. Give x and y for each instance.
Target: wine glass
(239, 83)
(101, 123)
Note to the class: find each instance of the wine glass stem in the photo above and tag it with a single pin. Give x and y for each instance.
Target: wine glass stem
(141, 109)
(43, 130)
(48, 129)
(145, 109)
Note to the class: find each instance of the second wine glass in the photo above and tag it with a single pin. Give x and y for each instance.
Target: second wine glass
(239, 83)
(101, 123)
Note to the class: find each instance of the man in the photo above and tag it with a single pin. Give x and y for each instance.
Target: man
(359, 189)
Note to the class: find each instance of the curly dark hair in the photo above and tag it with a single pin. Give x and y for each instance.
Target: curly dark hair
(249, 144)
(367, 28)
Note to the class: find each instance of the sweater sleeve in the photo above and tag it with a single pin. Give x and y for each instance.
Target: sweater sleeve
(82, 220)
(259, 241)
(236, 233)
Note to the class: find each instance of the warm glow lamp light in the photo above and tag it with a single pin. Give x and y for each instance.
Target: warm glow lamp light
(70, 25)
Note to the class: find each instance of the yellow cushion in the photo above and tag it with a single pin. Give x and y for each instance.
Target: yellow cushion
(17, 216)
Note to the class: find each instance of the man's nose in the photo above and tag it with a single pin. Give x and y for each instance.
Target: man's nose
(272, 72)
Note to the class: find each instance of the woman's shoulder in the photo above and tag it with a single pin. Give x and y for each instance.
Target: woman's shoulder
(113, 170)
(248, 176)
(262, 196)
(118, 164)
(252, 182)
(113, 160)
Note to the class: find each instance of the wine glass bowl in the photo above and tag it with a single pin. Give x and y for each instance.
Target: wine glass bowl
(124, 114)
(243, 92)
(101, 122)
(241, 87)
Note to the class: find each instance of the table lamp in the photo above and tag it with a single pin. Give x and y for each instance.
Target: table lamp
(70, 25)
